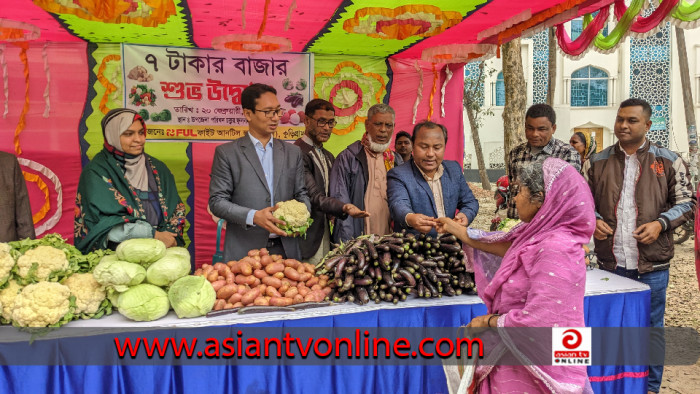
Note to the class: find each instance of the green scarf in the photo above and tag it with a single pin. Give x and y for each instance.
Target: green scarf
(106, 199)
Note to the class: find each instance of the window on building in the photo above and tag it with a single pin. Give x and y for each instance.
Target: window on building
(589, 87)
(500, 99)
(577, 27)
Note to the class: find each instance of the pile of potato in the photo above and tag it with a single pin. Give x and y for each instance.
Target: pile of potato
(262, 279)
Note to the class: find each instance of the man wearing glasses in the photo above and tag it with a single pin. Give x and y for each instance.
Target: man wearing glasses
(253, 173)
(358, 176)
(318, 161)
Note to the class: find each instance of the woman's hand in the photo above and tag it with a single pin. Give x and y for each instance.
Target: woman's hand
(167, 238)
(480, 322)
(447, 225)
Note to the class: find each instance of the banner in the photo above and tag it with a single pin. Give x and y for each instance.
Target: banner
(195, 94)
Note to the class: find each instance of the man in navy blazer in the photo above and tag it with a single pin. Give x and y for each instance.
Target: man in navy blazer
(250, 175)
(426, 187)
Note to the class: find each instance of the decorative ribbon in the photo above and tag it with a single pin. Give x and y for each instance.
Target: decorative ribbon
(607, 44)
(436, 76)
(243, 13)
(580, 44)
(264, 19)
(109, 86)
(289, 15)
(687, 12)
(448, 76)
(53, 220)
(5, 81)
(41, 213)
(419, 96)
(25, 108)
(47, 100)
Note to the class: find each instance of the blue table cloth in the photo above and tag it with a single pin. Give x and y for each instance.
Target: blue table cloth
(623, 306)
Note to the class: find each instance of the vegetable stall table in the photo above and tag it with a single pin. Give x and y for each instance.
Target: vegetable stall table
(611, 301)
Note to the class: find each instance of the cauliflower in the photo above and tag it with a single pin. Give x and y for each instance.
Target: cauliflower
(41, 263)
(296, 216)
(90, 296)
(507, 224)
(42, 304)
(7, 300)
(6, 262)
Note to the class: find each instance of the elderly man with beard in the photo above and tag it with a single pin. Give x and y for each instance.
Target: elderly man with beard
(358, 176)
(318, 161)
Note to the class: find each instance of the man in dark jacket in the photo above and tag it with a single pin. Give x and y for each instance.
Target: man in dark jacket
(318, 161)
(358, 176)
(641, 192)
(15, 213)
(427, 187)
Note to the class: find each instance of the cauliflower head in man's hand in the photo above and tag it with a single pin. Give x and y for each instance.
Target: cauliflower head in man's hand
(295, 215)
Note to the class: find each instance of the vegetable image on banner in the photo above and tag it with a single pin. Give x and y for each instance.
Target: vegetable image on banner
(195, 94)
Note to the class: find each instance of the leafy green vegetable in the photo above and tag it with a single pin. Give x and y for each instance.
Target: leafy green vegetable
(142, 251)
(144, 302)
(192, 296)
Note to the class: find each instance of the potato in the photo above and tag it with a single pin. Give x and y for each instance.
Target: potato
(272, 281)
(305, 276)
(241, 280)
(272, 292)
(311, 297)
(207, 270)
(315, 287)
(274, 268)
(298, 298)
(283, 289)
(310, 267)
(262, 288)
(246, 269)
(213, 276)
(322, 282)
(291, 263)
(218, 284)
(279, 275)
(261, 301)
(300, 268)
(220, 267)
(230, 277)
(260, 274)
(255, 282)
(228, 306)
(312, 281)
(220, 278)
(276, 257)
(256, 265)
(226, 292)
(253, 252)
(303, 290)
(235, 298)
(281, 301)
(291, 292)
(238, 305)
(250, 296)
(291, 273)
(265, 260)
(242, 289)
(198, 272)
(326, 290)
(235, 267)
(264, 252)
(219, 305)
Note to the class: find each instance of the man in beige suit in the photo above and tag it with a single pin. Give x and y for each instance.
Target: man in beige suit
(15, 212)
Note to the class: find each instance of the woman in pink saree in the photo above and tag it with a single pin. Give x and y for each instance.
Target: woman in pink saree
(540, 279)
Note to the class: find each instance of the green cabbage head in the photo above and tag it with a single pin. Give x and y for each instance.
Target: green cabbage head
(142, 251)
(144, 302)
(168, 269)
(192, 296)
(118, 275)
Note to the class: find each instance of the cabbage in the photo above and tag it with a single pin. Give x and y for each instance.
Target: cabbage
(119, 274)
(179, 251)
(144, 302)
(142, 251)
(192, 296)
(168, 269)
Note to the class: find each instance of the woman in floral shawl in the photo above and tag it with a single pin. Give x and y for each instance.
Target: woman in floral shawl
(541, 277)
(124, 193)
(584, 144)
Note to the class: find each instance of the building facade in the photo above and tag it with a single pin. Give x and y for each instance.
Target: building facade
(589, 90)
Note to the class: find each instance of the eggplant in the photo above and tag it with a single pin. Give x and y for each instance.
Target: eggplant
(330, 263)
(365, 281)
(429, 264)
(371, 250)
(387, 278)
(429, 286)
(407, 277)
(447, 238)
(396, 249)
(339, 266)
(450, 248)
(349, 279)
(362, 295)
(418, 259)
(361, 259)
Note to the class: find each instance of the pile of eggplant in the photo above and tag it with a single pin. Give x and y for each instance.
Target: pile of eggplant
(391, 267)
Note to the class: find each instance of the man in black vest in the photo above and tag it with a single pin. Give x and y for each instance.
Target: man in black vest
(320, 120)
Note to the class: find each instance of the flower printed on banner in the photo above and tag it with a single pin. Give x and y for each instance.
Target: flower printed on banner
(139, 12)
(351, 91)
(400, 23)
